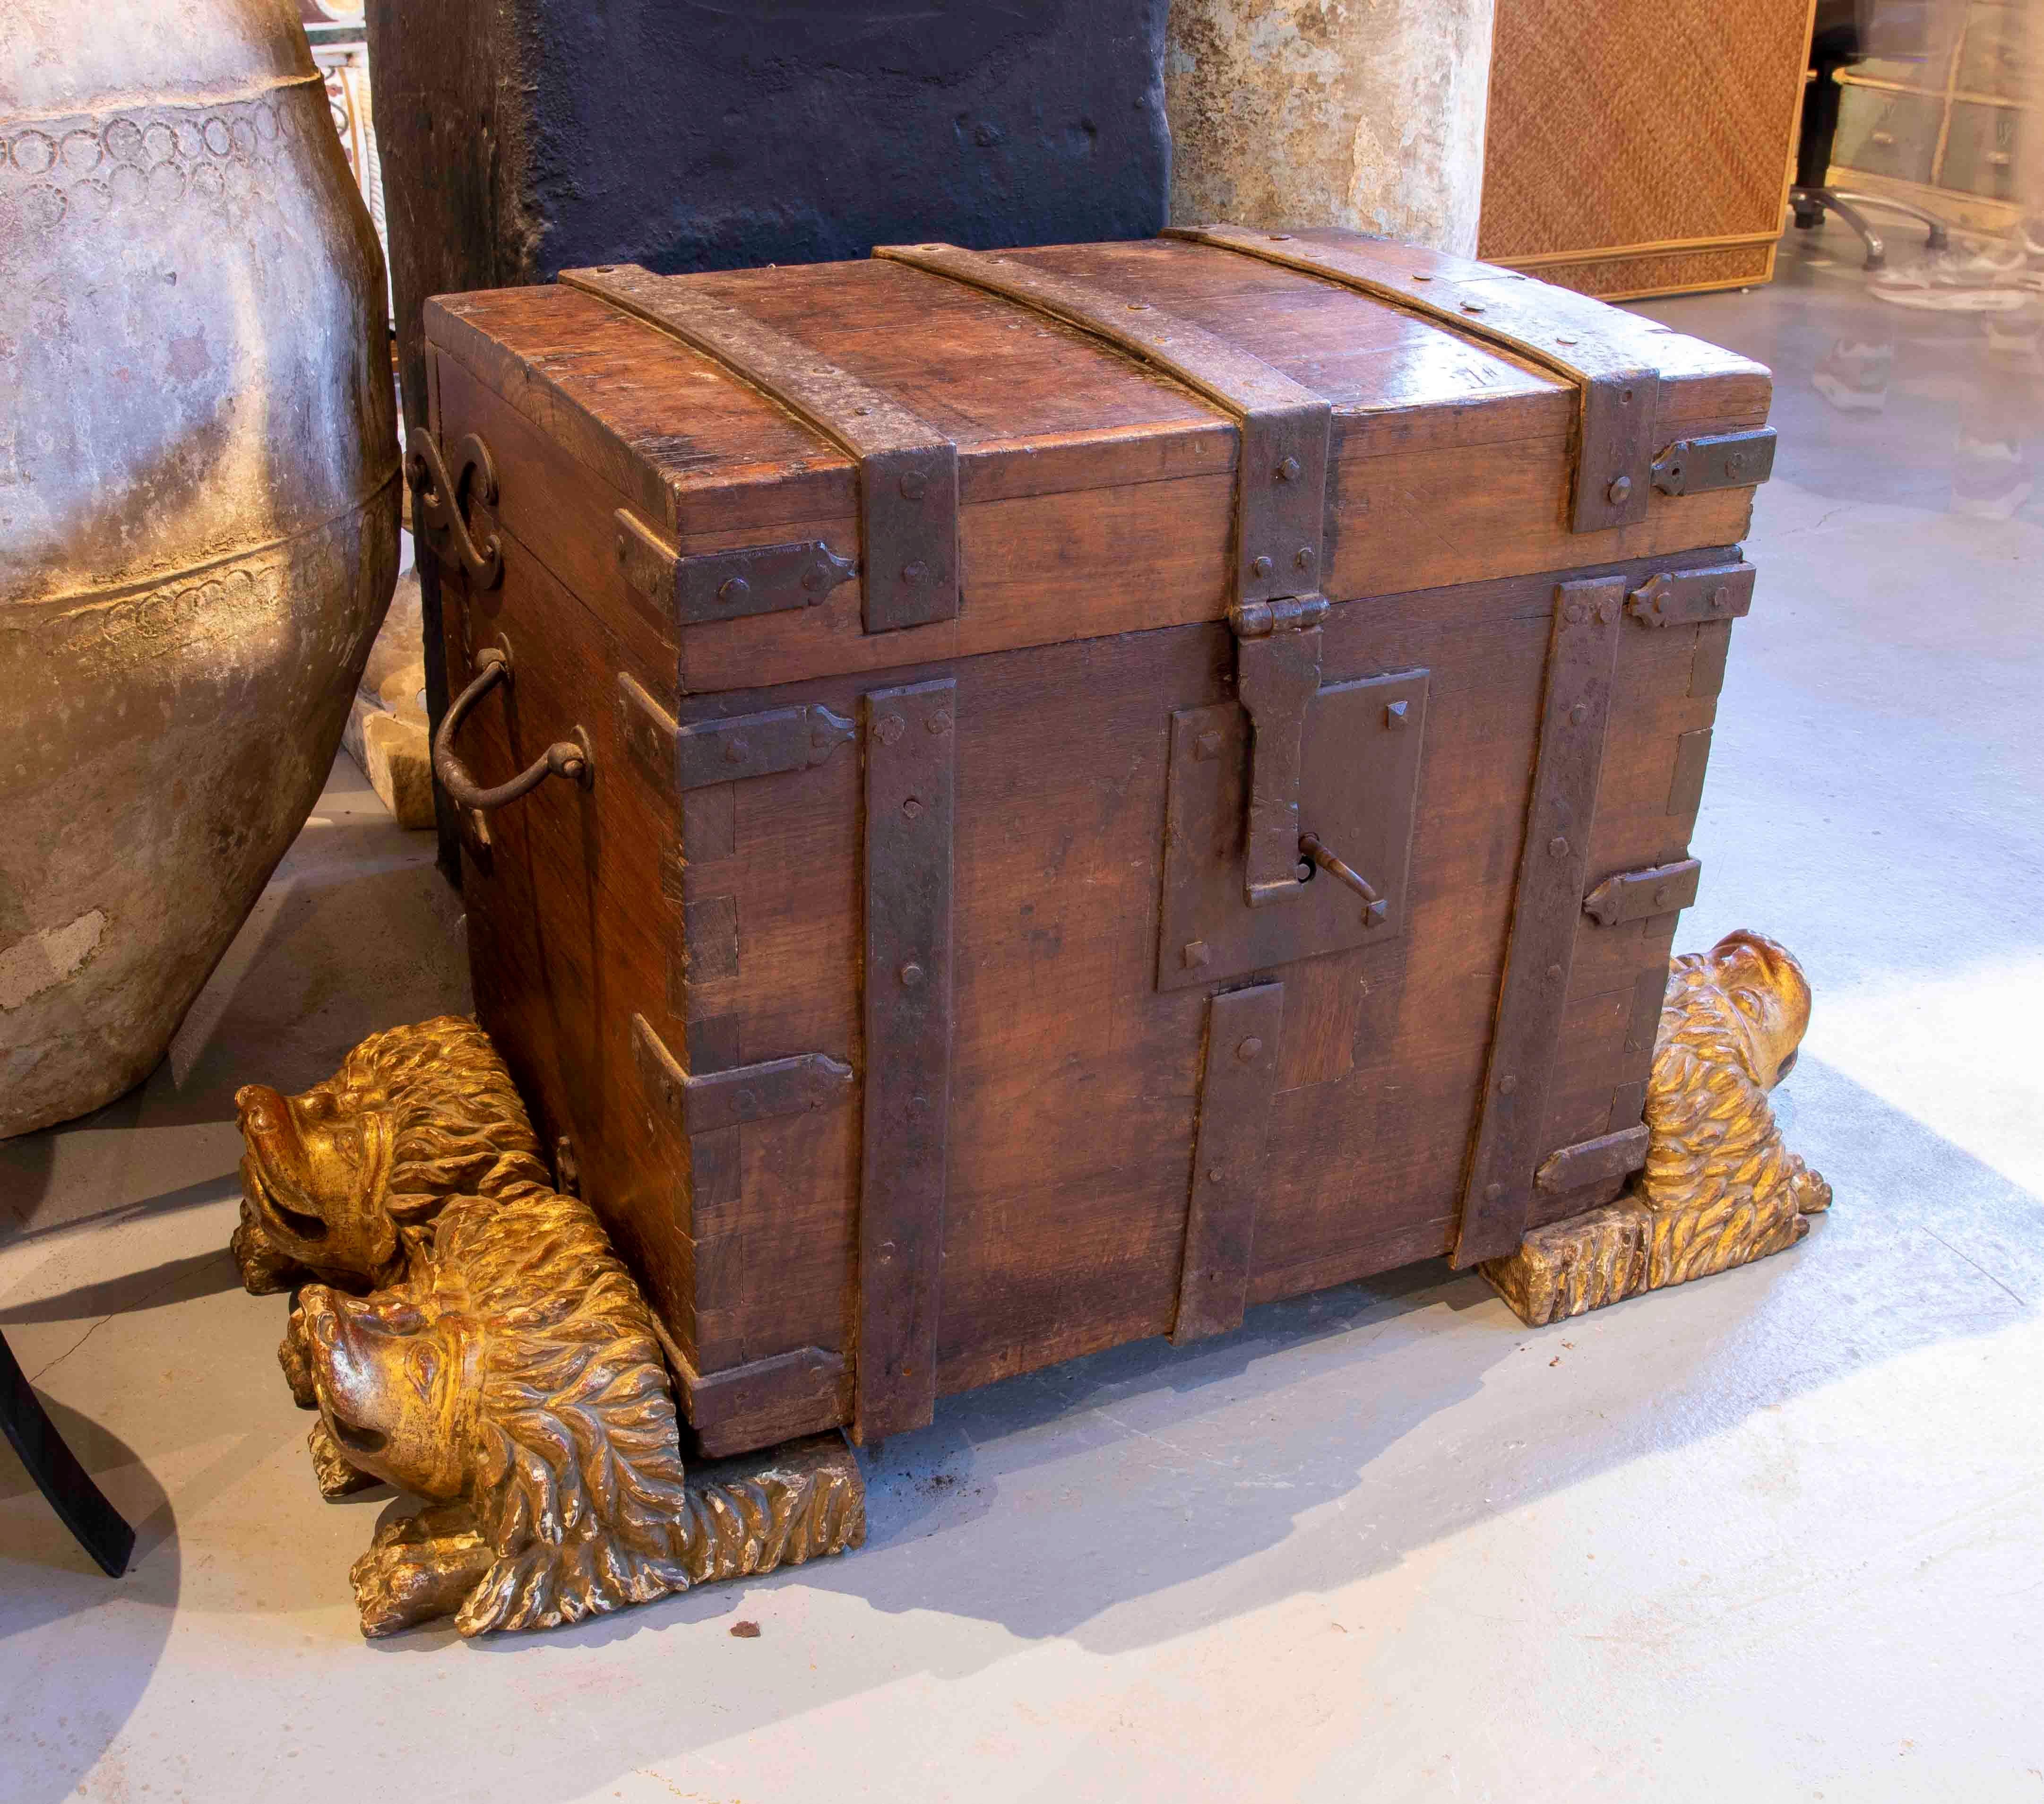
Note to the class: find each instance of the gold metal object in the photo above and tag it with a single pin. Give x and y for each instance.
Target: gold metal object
(1720, 1186)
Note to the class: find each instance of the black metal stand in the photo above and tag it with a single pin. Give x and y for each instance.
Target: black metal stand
(77, 1500)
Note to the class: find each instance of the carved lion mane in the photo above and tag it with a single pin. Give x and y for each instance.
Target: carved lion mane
(514, 1380)
(1721, 1184)
(575, 1476)
(456, 1127)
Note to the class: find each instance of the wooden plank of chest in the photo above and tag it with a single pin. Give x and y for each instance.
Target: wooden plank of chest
(1071, 1128)
(1096, 498)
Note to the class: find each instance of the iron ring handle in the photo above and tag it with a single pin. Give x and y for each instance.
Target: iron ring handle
(564, 758)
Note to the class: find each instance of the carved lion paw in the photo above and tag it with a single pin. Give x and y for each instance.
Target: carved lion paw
(337, 1474)
(1811, 1191)
(264, 1271)
(404, 1579)
(297, 1362)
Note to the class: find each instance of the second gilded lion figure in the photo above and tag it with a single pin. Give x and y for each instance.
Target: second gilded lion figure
(1719, 1187)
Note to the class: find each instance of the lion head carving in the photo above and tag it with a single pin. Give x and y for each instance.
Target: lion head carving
(332, 1178)
(1719, 1179)
(513, 1379)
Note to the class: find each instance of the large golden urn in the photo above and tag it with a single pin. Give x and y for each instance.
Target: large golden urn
(198, 508)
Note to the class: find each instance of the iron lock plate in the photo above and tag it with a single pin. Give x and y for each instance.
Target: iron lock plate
(1359, 785)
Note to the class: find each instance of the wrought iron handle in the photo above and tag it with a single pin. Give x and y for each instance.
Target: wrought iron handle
(1313, 851)
(564, 758)
(437, 503)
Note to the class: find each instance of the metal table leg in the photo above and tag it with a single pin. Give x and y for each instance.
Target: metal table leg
(81, 1505)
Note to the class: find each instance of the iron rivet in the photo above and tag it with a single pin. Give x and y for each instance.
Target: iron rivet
(1471, 306)
(1576, 612)
(734, 752)
(1423, 278)
(1721, 598)
(914, 486)
(1303, 558)
(940, 721)
(1207, 747)
(1196, 953)
(747, 1100)
(1394, 714)
(1663, 895)
(733, 591)
(889, 728)
(1620, 489)
(912, 807)
(1625, 396)
(1553, 974)
(914, 572)
(812, 578)
(1287, 472)
(912, 974)
(1580, 713)
(1557, 847)
(1213, 1174)
(1281, 237)
(1735, 462)
(1561, 339)
(1507, 1084)
(1493, 1192)
(1139, 306)
(1607, 610)
(1247, 1051)
(1261, 567)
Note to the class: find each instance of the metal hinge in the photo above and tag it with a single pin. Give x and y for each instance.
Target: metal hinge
(1683, 598)
(1639, 895)
(1721, 460)
(727, 585)
(1592, 1161)
(701, 1102)
(721, 751)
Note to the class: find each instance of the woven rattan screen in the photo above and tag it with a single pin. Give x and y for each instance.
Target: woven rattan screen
(1638, 149)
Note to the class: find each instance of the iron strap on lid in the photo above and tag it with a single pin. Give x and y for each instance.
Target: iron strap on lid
(908, 470)
(1615, 449)
(1280, 486)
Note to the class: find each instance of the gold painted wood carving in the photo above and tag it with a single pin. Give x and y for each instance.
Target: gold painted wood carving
(502, 1365)
(1719, 1187)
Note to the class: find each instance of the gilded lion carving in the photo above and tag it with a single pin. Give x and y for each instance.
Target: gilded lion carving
(514, 1380)
(331, 1178)
(502, 1365)
(1719, 1187)
(339, 1182)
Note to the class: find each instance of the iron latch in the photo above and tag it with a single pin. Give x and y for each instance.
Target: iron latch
(1277, 672)
(1722, 460)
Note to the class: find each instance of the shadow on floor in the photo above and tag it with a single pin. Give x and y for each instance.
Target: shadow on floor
(1140, 1495)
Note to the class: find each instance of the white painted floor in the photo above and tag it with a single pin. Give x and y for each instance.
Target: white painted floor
(1778, 1535)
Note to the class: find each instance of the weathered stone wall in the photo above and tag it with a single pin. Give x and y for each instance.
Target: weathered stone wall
(1367, 113)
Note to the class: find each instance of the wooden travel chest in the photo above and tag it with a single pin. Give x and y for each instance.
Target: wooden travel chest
(971, 682)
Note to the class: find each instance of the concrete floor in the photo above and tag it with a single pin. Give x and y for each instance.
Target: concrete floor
(1779, 1535)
